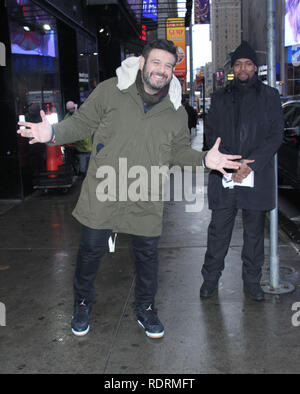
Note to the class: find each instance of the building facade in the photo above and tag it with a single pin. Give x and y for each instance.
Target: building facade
(54, 52)
(254, 21)
(225, 30)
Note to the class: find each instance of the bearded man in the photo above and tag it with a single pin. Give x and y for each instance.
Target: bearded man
(137, 116)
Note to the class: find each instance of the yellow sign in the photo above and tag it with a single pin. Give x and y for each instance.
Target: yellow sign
(176, 33)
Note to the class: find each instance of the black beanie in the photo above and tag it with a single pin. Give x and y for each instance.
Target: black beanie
(244, 51)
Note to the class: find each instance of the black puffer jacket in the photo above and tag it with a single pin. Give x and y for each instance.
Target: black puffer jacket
(249, 121)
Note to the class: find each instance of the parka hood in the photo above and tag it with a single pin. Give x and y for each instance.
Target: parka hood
(127, 74)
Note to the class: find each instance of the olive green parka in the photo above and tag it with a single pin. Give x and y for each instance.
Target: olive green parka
(124, 136)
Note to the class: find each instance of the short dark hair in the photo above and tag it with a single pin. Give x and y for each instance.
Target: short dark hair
(166, 45)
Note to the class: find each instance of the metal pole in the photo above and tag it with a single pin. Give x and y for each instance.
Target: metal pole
(274, 286)
(191, 65)
(271, 60)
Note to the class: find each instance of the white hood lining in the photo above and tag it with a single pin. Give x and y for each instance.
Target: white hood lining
(127, 73)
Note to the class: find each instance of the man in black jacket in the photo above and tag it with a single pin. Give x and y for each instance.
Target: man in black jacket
(247, 115)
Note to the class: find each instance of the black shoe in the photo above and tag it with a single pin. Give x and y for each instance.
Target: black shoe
(80, 320)
(254, 291)
(147, 318)
(208, 288)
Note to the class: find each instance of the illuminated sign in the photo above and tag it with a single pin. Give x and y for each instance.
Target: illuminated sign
(143, 36)
(292, 23)
(293, 55)
(220, 76)
(263, 70)
(176, 33)
(150, 9)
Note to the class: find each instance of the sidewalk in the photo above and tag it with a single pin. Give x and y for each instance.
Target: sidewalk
(225, 334)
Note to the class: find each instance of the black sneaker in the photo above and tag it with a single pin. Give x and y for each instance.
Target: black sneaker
(147, 318)
(208, 289)
(80, 320)
(254, 291)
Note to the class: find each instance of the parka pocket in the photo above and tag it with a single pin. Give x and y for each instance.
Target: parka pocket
(101, 151)
(164, 155)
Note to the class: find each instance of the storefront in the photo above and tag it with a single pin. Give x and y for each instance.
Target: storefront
(49, 60)
(55, 52)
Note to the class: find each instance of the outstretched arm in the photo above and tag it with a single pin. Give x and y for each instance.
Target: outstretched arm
(77, 127)
(184, 155)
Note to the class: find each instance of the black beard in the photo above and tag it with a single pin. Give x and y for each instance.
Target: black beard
(147, 81)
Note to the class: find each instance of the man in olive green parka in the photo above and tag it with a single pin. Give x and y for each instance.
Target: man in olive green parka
(136, 119)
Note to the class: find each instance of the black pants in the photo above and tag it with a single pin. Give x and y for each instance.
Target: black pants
(94, 244)
(219, 237)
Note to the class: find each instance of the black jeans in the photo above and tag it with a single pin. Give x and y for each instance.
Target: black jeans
(94, 244)
(219, 237)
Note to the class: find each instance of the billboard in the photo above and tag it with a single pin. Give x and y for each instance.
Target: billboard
(34, 42)
(292, 22)
(176, 33)
(202, 12)
(150, 9)
(293, 55)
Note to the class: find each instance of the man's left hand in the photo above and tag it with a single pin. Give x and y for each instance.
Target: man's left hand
(215, 160)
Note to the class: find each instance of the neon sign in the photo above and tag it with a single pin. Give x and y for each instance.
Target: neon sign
(150, 9)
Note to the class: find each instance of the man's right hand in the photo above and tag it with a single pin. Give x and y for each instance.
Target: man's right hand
(39, 132)
(243, 171)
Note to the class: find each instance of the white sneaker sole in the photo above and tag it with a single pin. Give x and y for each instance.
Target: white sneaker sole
(80, 333)
(151, 334)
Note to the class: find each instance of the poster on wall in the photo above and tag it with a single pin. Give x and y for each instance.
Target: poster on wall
(292, 22)
(176, 33)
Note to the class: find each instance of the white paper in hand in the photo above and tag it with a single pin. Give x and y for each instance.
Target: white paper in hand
(247, 182)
